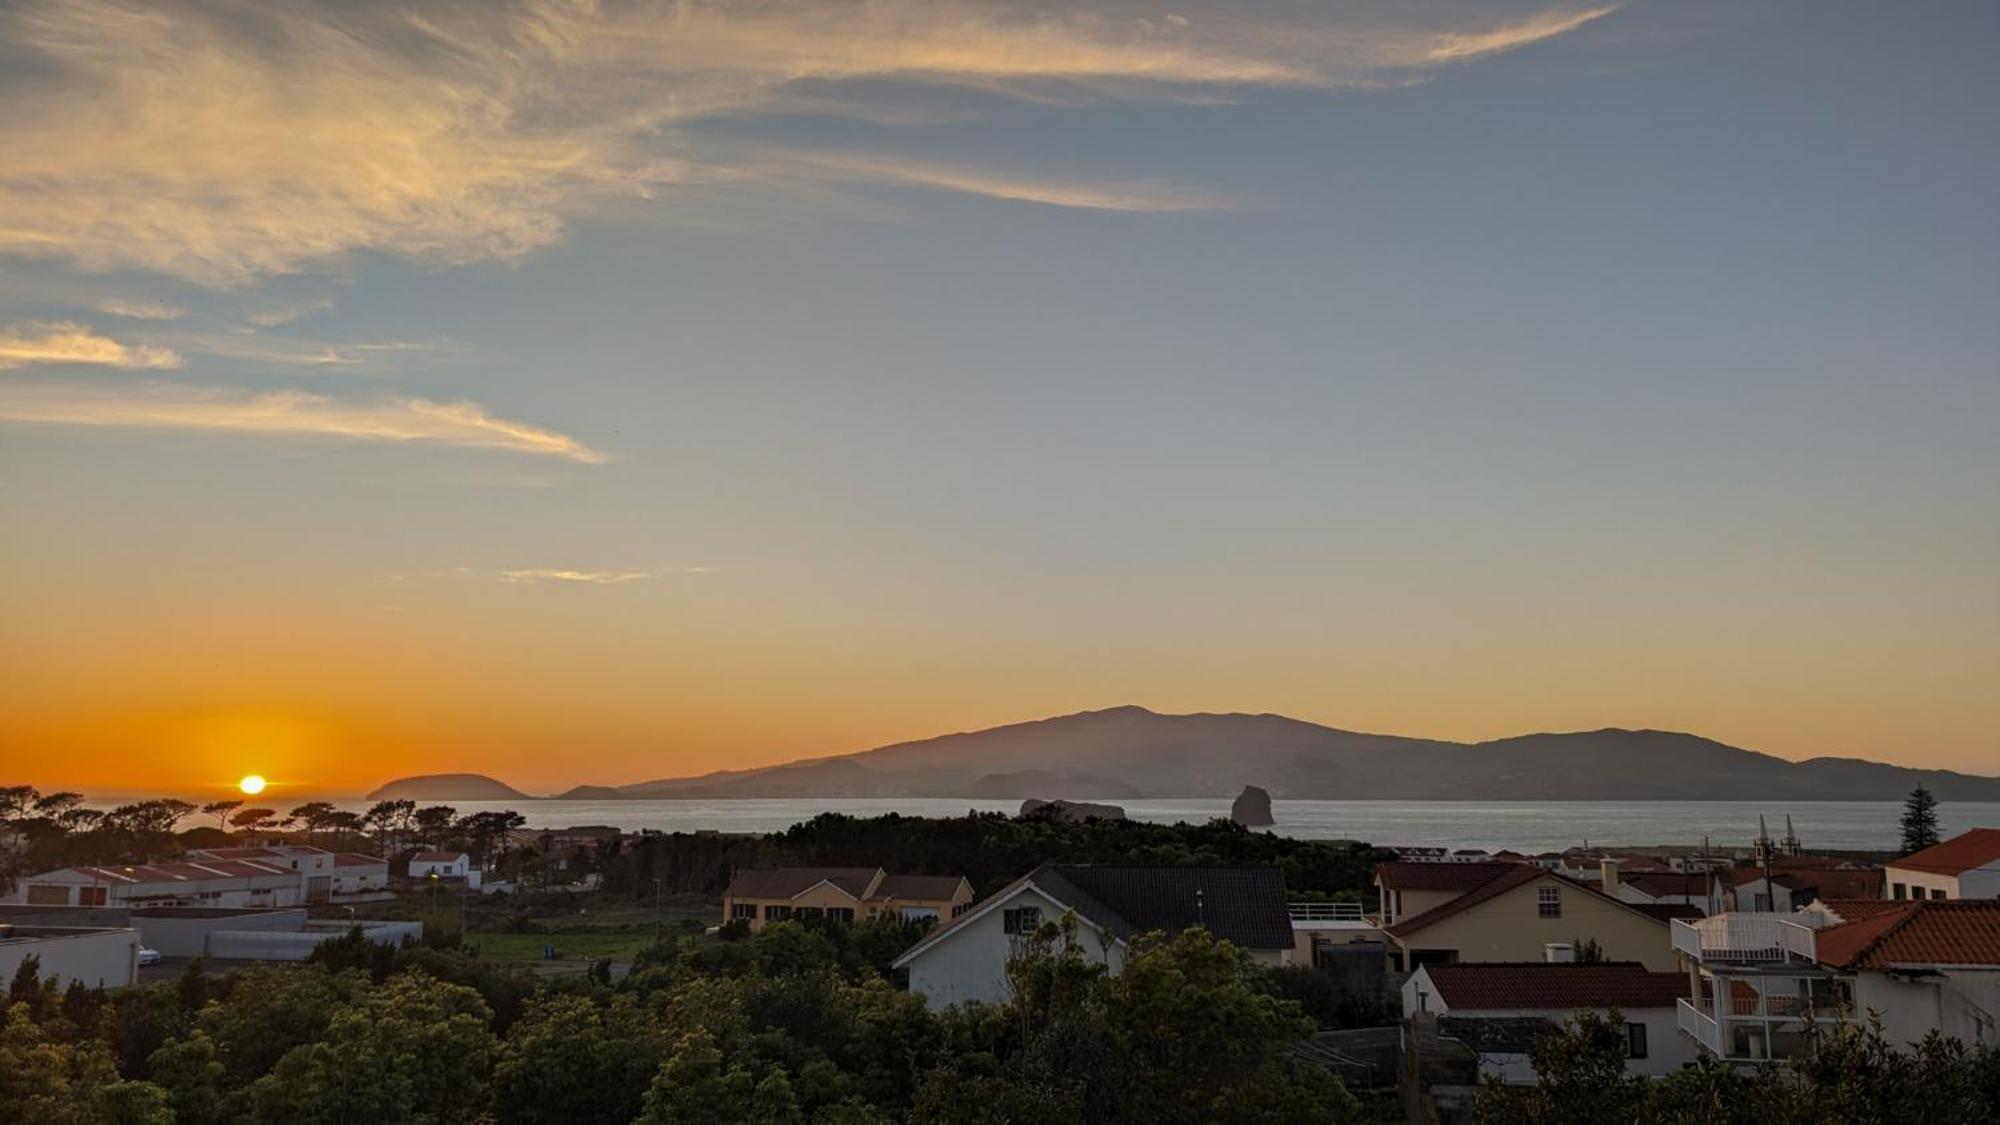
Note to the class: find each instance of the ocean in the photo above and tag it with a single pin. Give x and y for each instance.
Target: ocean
(1525, 826)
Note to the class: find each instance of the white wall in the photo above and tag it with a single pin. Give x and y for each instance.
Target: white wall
(1666, 1049)
(1980, 882)
(1962, 1004)
(970, 964)
(188, 936)
(107, 958)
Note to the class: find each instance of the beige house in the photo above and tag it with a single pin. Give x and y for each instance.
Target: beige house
(1529, 914)
(1409, 888)
(849, 894)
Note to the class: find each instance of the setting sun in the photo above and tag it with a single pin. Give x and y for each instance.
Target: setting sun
(252, 785)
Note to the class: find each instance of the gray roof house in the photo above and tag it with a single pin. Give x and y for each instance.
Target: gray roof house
(966, 960)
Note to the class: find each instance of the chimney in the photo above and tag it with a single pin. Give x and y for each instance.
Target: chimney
(1559, 953)
(1607, 870)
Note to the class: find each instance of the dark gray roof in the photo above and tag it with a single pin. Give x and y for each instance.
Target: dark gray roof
(1241, 905)
(929, 888)
(788, 882)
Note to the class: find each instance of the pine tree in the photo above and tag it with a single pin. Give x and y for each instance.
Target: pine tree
(1920, 822)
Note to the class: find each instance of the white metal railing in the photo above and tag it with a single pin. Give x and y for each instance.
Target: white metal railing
(1697, 1026)
(1742, 937)
(1326, 912)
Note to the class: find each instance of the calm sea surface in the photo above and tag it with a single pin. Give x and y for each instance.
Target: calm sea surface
(1520, 825)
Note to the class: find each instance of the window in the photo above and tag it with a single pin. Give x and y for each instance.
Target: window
(811, 912)
(1549, 902)
(777, 913)
(840, 913)
(743, 911)
(1937, 892)
(1635, 1040)
(1900, 891)
(960, 909)
(1025, 920)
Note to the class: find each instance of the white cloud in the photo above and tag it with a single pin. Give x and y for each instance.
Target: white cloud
(583, 577)
(140, 310)
(390, 419)
(1013, 186)
(230, 141)
(70, 343)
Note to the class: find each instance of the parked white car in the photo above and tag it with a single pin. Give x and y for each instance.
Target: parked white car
(148, 956)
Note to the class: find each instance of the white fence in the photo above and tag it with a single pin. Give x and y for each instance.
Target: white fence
(1744, 937)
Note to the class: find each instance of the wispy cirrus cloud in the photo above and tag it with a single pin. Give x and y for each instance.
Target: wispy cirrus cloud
(140, 310)
(579, 577)
(162, 406)
(226, 142)
(67, 342)
(1011, 186)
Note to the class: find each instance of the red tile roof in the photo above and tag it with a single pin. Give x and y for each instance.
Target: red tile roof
(1460, 877)
(1957, 855)
(1855, 909)
(1960, 932)
(1537, 986)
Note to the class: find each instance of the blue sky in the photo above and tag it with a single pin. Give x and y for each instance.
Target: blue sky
(704, 385)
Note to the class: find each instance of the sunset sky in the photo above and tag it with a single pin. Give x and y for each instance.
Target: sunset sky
(590, 392)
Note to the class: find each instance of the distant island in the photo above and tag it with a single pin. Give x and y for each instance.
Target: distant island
(447, 787)
(1127, 753)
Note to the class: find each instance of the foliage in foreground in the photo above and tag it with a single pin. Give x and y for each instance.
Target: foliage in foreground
(793, 1024)
(1848, 1075)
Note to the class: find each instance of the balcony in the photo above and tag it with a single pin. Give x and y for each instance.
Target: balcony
(1744, 939)
(1750, 1018)
(1325, 916)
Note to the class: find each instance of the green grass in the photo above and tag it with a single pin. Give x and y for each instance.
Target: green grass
(579, 945)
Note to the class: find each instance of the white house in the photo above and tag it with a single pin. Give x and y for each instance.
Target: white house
(444, 865)
(1764, 978)
(1500, 1009)
(100, 957)
(218, 882)
(314, 865)
(966, 959)
(1965, 866)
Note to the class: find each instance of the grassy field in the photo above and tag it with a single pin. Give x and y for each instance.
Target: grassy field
(584, 945)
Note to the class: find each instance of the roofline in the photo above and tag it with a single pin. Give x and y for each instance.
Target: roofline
(1444, 910)
(1002, 895)
(815, 886)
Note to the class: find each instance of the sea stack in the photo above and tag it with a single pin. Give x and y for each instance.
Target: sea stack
(1252, 808)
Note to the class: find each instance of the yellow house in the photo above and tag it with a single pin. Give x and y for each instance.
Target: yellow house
(849, 894)
(1519, 915)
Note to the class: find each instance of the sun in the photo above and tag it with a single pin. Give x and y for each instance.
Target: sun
(251, 785)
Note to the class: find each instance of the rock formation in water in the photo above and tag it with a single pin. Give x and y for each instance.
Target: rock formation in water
(1252, 808)
(1072, 812)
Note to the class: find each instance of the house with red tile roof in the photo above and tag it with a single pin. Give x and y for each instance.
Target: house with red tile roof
(1501, 1009)
(1759, 981)
(1965, 866)
(1519, 913)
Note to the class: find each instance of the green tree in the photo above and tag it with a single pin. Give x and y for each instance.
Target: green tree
(578, 1058)
(1920, 821)
(1580, 1079)
(190, 1071)
(693, 1087)
(414, 1050)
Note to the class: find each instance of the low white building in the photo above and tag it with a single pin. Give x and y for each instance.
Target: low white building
(1501, 1009)
(215, 882)
(1965, 866)
(360, 877)
(100, 957)
(966, 959)
(444, 865)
